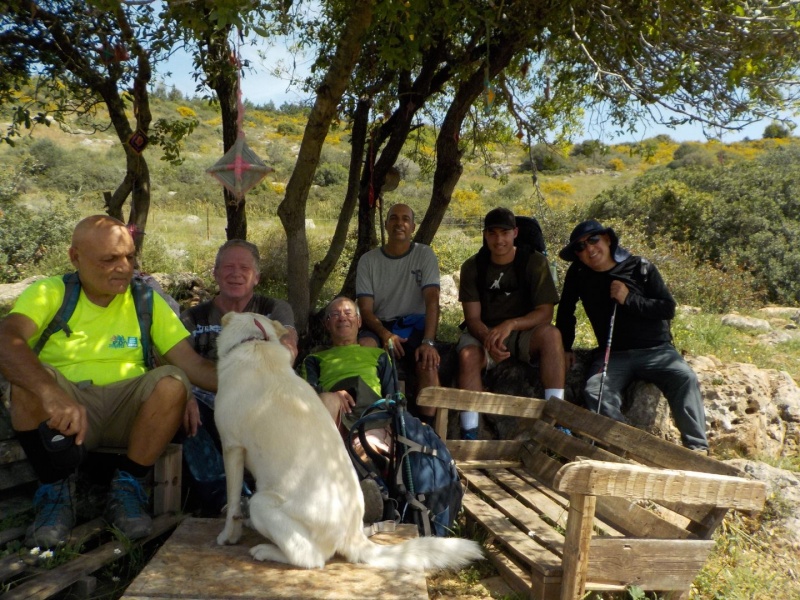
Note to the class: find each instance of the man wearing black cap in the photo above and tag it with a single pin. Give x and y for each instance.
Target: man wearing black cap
(509, 313)
(603, 276)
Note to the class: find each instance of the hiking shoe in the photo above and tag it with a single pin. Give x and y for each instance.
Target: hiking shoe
(373, 501)
(127, 506)
(469, 434)
(55, 514)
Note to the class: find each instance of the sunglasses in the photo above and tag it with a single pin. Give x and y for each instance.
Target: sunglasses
(581, 246)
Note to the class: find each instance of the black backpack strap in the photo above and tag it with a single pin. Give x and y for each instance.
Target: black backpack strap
(644, 268)
(521, 258)
(72, 293)
(143, 301)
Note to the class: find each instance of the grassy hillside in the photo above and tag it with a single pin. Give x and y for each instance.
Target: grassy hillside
(52, 178)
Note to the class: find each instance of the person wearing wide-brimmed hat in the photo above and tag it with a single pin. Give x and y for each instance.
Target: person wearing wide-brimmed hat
(604, 275)
(508, 312)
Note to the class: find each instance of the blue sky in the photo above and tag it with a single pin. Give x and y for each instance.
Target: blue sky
(260, 87)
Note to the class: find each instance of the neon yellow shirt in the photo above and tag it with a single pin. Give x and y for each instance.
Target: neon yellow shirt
(105, 345)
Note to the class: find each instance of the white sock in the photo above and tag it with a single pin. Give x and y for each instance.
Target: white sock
(469, 420)
(549, 392)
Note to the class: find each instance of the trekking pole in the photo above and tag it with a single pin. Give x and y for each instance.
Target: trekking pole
(401, 414)
(608, 355)
(393, 358)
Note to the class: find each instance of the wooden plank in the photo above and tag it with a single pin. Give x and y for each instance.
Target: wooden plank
(550, 504)
(167, 480)
(61, 577)
(441, 423)
(466, 450)
(568, 446)
(11, 451)
(516, 577)
(11, 566)
(650, 564)
(524, 549)
(17, 502)
(485, 402)
(572, 448)
(10, 534)
(576, 546)
(529, 520)
(620, 514)
(632, 442)
(15, 474)
(636, 482)
(473, 465)
(191, 565)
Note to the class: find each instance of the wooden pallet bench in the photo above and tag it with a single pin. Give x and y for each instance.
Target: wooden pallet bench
(21, 574)
(588, 503)
(191, 565)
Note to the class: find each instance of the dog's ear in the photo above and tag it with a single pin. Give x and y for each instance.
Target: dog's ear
(226, 318)
(280, 330)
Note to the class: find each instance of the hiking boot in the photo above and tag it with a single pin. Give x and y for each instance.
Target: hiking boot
(469, 434)
(373, 501)
(127, 506)
(700, 450)
(55, 514)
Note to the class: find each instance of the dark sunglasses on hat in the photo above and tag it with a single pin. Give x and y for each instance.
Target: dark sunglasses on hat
(590, 241)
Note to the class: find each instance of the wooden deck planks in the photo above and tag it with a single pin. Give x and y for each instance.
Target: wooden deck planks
(191, 565)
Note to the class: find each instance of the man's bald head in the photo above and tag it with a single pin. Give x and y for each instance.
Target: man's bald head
(90, 228)
(103, 253)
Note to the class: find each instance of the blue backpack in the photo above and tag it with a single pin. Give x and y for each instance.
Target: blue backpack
(419, 481)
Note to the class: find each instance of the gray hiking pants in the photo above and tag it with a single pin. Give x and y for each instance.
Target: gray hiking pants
(662, 366)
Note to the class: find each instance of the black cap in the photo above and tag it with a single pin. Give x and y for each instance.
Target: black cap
(501, 218)
(587, 228)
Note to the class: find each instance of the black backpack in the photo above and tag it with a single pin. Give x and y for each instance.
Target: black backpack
(529, 239)
(419, 482)
(142, 298)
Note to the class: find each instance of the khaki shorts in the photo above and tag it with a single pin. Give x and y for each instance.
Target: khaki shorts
(518, 344)
(112, 409)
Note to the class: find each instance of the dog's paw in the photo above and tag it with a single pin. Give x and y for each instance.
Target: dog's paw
(267, 552)
(230, 534)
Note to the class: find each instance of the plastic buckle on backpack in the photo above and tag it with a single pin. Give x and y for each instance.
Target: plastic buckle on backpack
(380, 527)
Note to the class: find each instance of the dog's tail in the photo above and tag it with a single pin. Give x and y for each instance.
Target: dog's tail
(416, 553)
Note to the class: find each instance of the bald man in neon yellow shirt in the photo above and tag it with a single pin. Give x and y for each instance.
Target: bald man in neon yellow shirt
(93, 386)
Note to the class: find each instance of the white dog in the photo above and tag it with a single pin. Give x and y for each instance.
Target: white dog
(308, 501)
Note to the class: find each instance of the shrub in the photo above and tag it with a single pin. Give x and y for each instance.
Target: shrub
(545, 159)
(776, 130)
(27, 237)
(330, 174)
(288, 129)
(740, 217)
(46, 156)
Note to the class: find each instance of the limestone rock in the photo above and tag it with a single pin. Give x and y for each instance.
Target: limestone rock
(745, 323)
(751, 411)
(448, 293)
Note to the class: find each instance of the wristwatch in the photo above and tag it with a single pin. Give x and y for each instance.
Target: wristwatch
(429, 342)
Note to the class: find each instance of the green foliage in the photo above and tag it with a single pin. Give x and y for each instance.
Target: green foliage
(545, 158)
(776, 130)
(330, 174)
(170, 133)
(740, 217)
(27, 237)
(287, 129)
(590, 149)
(45, 155)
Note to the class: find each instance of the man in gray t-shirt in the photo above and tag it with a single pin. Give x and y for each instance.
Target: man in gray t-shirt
(397, 287)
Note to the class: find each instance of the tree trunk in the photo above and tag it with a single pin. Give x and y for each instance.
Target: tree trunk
(322, 270)
(223, 79)
(292, 210)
